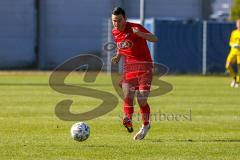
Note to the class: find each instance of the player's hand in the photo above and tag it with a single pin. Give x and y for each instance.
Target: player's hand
(237, 46)
(116, 58)
(135, 30)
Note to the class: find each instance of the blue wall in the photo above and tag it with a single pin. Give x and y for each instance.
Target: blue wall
(69, 28)
(17, 34)
(218, 45)
(179, 46)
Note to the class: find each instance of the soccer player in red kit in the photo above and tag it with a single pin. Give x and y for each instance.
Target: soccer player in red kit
(137, 69)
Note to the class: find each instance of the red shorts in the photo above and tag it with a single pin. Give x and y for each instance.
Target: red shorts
(140, 79)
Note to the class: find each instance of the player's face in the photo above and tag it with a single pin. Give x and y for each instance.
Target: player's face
(238, 24)
(119, 21)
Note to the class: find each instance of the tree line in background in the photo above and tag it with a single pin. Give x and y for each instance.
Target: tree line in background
(235, 11)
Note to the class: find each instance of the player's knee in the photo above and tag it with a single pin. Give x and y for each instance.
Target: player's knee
(227, 66)
(128, 101)
(142, 97)
(142, 101)
(128, 95)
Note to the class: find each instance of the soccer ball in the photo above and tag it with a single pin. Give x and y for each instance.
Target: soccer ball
(80, 131)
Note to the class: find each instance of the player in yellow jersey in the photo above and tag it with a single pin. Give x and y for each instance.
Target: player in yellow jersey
(234, 55)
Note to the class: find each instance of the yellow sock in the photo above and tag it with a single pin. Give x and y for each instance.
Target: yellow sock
(238, 75)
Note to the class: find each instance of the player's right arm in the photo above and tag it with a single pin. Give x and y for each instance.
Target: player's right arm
(116, 58)
(232, 42)
(145, 34)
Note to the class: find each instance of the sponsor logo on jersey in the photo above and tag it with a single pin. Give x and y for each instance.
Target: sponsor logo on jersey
(127, 44)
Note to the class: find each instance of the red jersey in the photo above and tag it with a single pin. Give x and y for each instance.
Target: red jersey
(131, 46)
(137, 59)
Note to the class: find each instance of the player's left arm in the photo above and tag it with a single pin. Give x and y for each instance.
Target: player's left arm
(145, 35)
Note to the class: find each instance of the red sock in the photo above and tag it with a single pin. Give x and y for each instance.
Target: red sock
(128, 107)
(145, 111)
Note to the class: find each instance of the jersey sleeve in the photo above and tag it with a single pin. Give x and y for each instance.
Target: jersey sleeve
(231, 42)
(142, 29)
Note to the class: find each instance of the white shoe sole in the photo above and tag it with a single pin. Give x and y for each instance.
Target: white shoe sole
(140, 136)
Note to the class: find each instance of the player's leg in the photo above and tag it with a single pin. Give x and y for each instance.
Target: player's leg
(238, 74)
(128, 109)
(232, 73)
(230, 60)
(142, 96)
(238, 77)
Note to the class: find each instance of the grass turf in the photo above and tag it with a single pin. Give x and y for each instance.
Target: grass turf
(198, 119)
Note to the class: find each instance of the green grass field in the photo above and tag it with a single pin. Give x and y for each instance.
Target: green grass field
(30, 130)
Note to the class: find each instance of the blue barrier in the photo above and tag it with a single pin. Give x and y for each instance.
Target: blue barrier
(179, 46)
(218, 36)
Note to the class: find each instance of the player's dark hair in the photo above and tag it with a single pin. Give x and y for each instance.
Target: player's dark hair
(118, 11)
